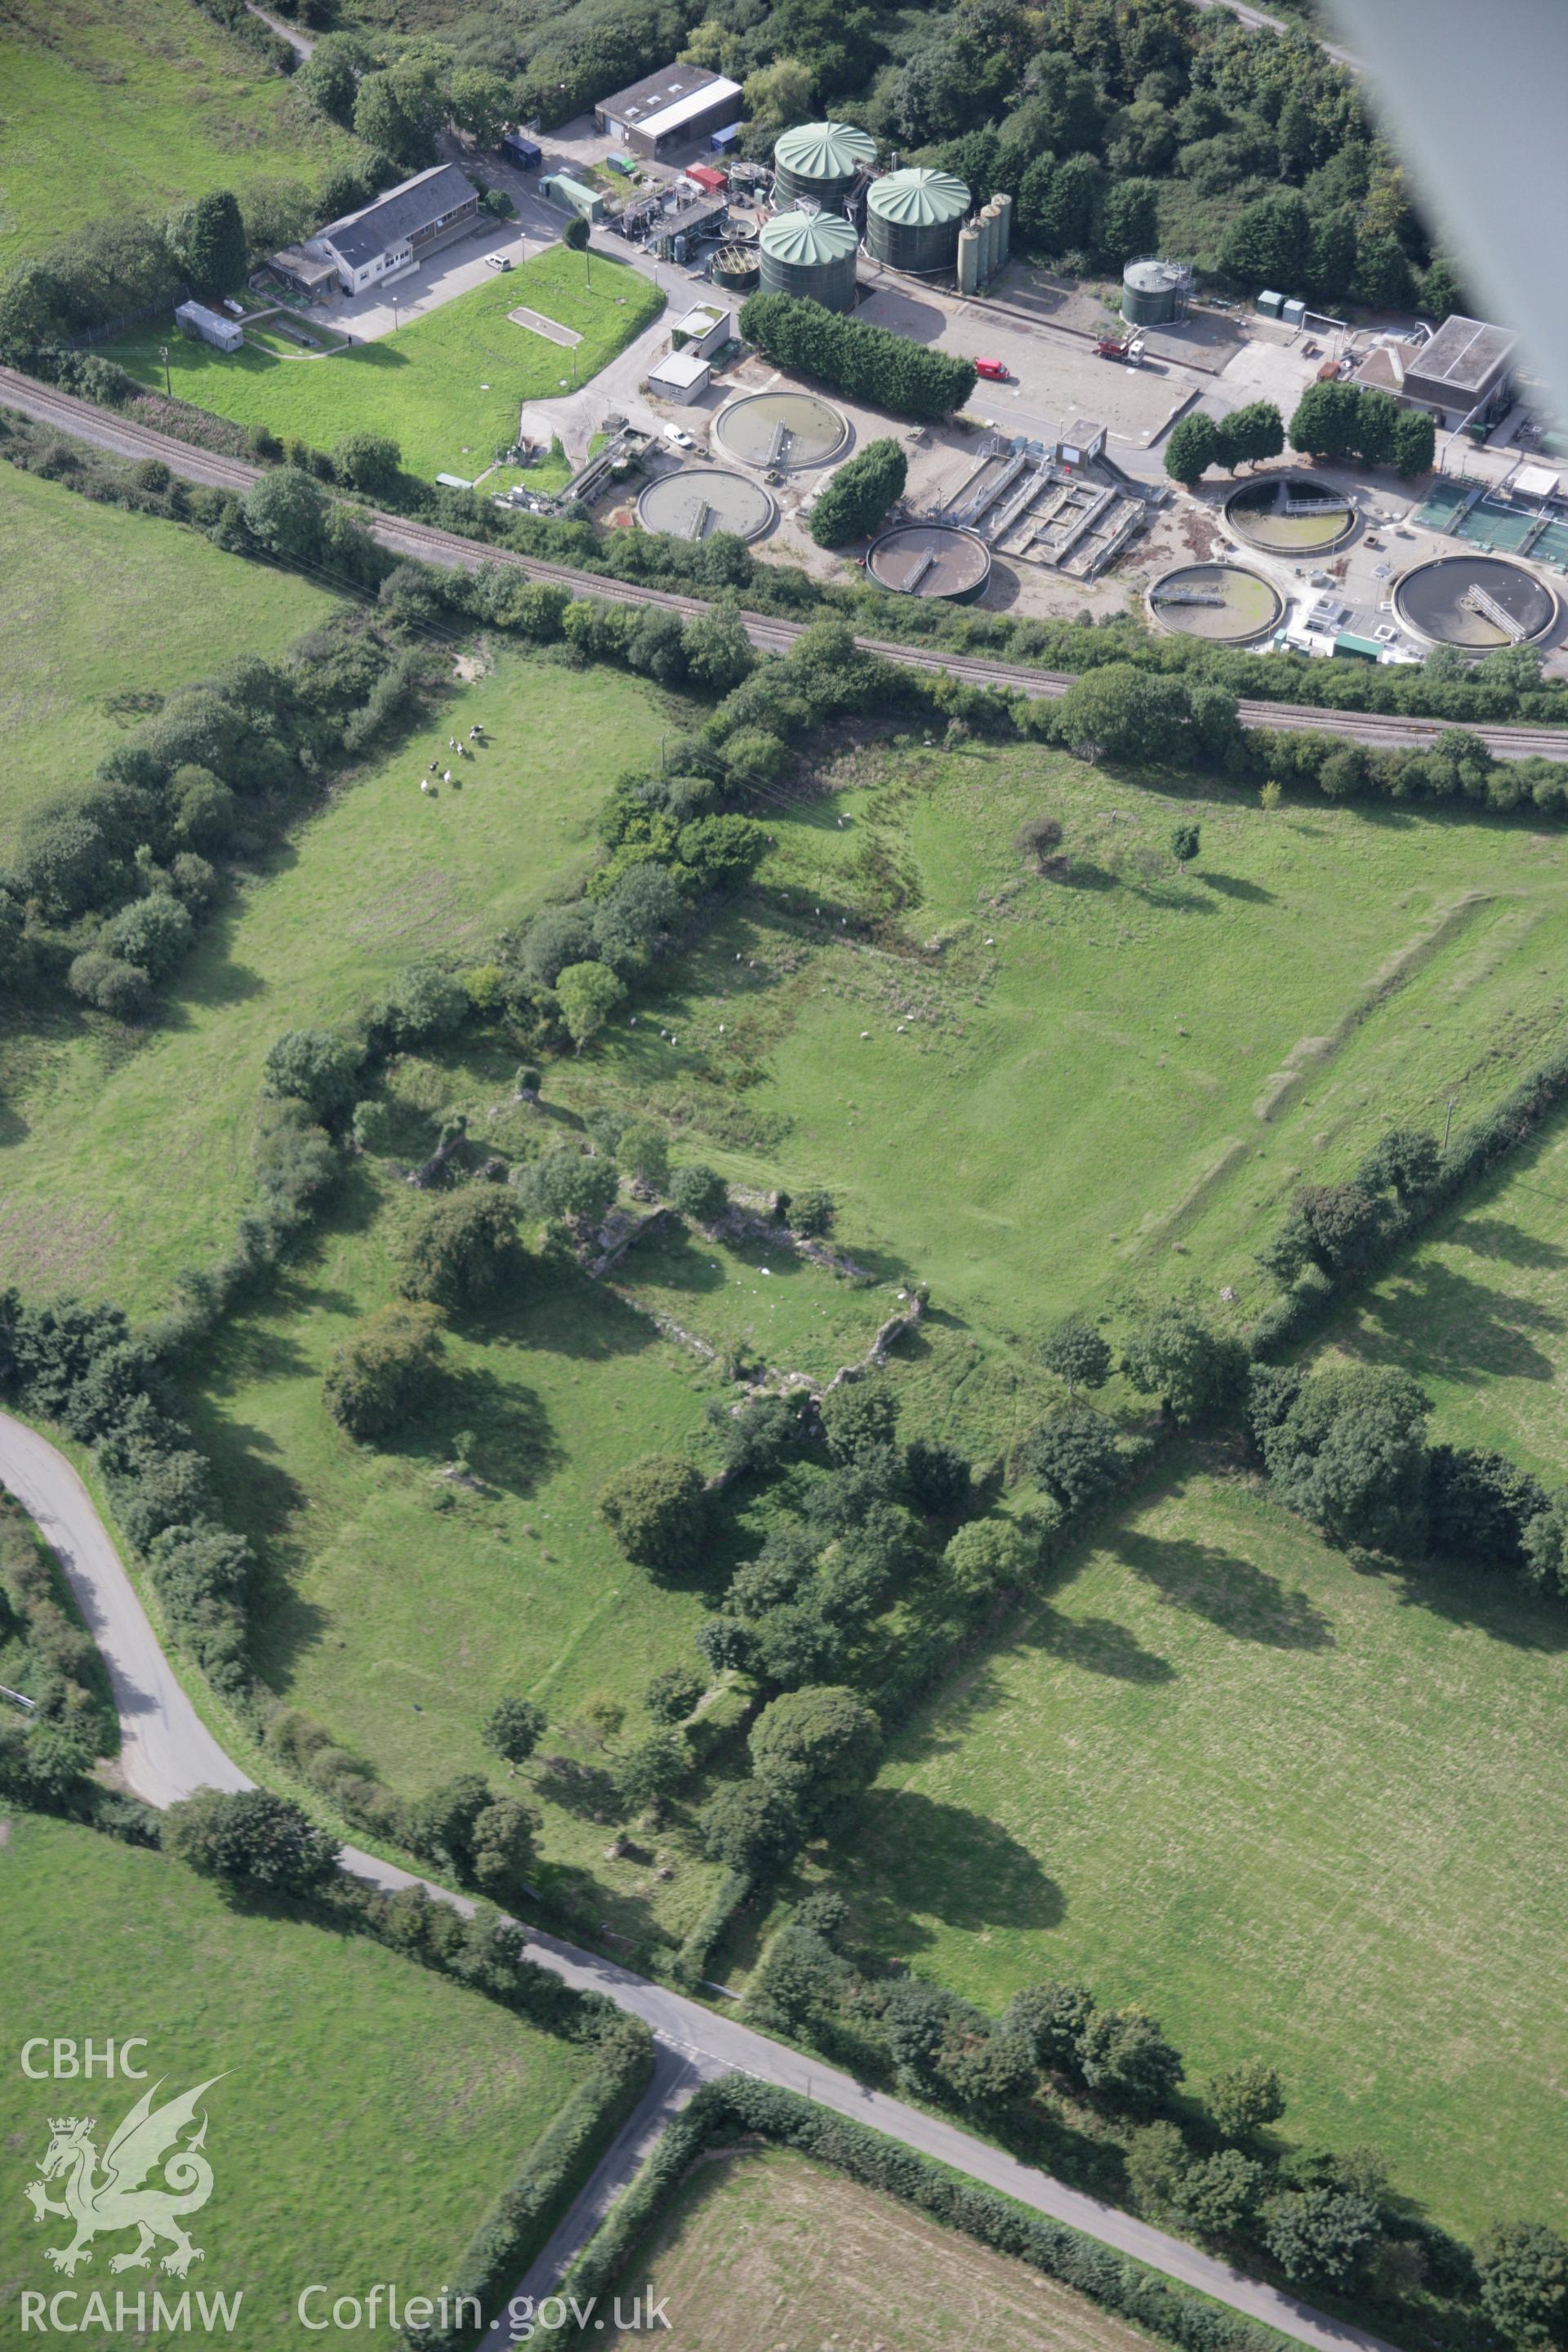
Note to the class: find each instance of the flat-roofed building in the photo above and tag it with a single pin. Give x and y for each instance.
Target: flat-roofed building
(681, 376)
(674, 108)
(1464, 373)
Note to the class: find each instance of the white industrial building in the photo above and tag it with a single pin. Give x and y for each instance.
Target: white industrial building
(669, 109)
(681, 376)
(702, 331)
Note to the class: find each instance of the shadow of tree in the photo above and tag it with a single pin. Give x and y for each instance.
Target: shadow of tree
(946, 1860)
(587, 1790)
(1233, 1594)
(1479, 1333)
(1495, 1237)
(1231, 886)
(1101, 1646)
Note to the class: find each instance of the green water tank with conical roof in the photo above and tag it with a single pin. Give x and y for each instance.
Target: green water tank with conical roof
(913, 217)
(820, 160)
(810, 254)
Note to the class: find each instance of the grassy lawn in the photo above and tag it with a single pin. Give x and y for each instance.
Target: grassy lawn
(447, 387)
(128, 106)
(763, 2247)
(125, 1158)
(1298, 1809)
(96, 605)
(765, 1304)
(1073, 1093)
(1479, 1312)
(369, 2111)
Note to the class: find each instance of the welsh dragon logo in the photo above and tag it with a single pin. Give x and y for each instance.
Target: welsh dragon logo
(114, 2198)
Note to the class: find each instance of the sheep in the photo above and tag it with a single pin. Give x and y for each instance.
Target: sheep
(424, 784)
(447, 777)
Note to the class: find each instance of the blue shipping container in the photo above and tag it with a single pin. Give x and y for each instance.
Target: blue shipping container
(521, 150)
(724, 139)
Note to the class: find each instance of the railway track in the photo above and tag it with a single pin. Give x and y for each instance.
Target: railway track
(104, 429)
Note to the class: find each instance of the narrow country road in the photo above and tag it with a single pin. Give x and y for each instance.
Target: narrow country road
(1258, 20)
(167, 1751)
(104, 429)
(302, 47)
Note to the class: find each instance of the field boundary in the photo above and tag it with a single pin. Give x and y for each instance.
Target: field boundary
(742, 2107)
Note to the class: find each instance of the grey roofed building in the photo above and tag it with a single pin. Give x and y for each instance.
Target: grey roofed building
(407, 222)
(675, 106)
(1465, 367)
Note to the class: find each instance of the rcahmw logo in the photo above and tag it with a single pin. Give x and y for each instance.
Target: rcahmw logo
(151, 2177)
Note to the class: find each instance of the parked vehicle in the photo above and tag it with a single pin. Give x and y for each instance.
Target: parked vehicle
(681, 439)
(498, 261)
(995, 370)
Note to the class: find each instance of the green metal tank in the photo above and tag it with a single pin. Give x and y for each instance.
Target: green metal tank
(810, 254)
(820, 160)
(913, 217)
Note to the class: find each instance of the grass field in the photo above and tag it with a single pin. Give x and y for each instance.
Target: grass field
(398, 1608)
(120, 1162)
(128, 106)
(96, 605)
(368, 2114)
(1074, 1094)
(447, 387)
(763, 2248)
(1298, 1809)
(1479, 1312)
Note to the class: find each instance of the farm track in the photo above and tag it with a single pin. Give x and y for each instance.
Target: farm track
(119, 436)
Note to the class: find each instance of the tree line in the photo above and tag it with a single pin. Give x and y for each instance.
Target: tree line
(1347, 421)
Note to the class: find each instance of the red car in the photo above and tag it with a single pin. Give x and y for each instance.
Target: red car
(993, 368)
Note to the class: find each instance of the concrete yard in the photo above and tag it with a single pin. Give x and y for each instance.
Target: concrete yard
(1056, 376)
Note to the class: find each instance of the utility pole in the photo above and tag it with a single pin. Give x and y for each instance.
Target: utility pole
(1448, 1122)
(163, 355)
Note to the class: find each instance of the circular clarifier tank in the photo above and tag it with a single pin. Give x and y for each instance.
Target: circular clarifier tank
(1290, 514)
(1476, 601)
(1222, 601)
(786, 430)
(698, 500)
(930, 559)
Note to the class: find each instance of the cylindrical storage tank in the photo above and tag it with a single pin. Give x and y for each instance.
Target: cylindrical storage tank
(1004, 204)
(811, 255)
(985, 230)
(1150, 293)
(992, 218)
(913, 217)
(969, 242)
(820, 160)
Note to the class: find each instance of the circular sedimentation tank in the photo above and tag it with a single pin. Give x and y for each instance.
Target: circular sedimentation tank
(930, 559)
(736, 267)
(1222, 601)
(1150, 293)
(1260, 512)
(698, 500)
(782, 430)
(821, 160)
(1447, 600)
(913, 217)
(810, 254)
